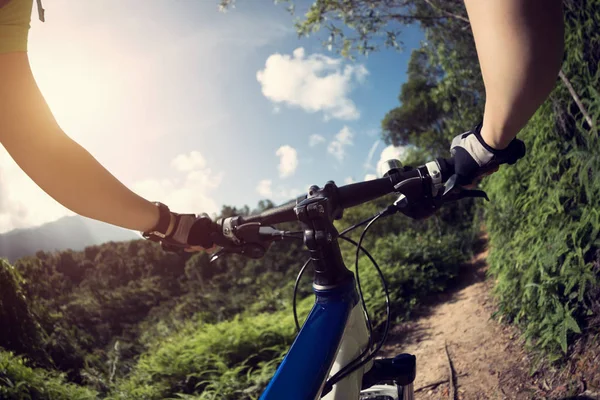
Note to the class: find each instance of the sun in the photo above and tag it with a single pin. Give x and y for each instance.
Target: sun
(80, 70)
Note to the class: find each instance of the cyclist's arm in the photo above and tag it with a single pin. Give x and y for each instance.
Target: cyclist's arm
(520, 47)
(60, 166)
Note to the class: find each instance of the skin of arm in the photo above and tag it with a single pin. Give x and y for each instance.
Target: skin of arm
(55, 162)
(520, 46)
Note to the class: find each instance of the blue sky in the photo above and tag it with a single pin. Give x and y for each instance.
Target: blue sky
(198, 108)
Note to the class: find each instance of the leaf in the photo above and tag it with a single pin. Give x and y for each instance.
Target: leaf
(571, 324)
(562, 337)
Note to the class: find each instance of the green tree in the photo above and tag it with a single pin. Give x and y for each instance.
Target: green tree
(363, 26)
(419, 120)
(20, 331)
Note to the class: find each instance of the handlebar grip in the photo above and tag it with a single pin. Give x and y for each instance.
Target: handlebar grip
(276, 215)
(357, 193)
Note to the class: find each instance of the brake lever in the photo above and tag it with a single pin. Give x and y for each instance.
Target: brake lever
(216, 255)
(251, 250)
(454, 191)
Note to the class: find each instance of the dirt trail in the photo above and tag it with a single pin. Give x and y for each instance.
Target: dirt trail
(485, 355)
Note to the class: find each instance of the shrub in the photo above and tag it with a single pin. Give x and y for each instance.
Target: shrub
(543, 219)
(228, 360)
(18, 381)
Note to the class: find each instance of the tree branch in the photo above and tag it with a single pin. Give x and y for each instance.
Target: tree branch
(113, 368)
(436, 383)
(414, 17)
(431, 385)
(451, 376)
(576, 98)
(448, 13)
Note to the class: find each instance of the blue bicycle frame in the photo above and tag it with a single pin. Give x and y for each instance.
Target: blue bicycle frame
(306, 367)
(335, 332)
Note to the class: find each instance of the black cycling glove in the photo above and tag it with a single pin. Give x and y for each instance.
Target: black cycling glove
(188, 230)
(473, 157)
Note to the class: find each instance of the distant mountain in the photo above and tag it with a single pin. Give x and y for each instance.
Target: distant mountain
(66, 233)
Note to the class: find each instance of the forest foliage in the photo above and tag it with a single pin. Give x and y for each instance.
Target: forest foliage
(127, 320)
(544, 218)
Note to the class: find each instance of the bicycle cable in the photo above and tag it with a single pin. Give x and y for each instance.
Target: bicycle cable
(301, 272)
(296, 291)
(356, 363)
(360, 293)
(361, 296)
(358, 225)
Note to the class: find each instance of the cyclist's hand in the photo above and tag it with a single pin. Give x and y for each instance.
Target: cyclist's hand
(473, 158)
(478, 179)
(190, 233)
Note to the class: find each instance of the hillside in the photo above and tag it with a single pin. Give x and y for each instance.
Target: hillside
(74, 233)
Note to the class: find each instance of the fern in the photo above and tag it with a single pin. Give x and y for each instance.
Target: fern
(543, 220)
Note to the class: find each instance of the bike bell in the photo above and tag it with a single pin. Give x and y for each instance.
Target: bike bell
(389, 166)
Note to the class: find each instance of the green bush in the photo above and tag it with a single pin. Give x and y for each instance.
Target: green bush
(417, 258)
(544, 216)
(415, 266)
(20, 331)
(21, 382)
(228, 360)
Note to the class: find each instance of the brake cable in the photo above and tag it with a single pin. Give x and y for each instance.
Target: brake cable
(358, 225)
(356, 362)
(296, 291)
(303, 269)
(361, 296)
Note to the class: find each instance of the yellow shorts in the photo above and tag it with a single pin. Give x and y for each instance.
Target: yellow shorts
(15, 16)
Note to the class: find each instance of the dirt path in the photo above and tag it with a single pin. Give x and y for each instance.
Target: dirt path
(488, 358)
(485, 355)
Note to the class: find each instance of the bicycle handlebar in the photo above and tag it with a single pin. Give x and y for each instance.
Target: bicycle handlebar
(277, 215)
(351, 195)
(420, 184)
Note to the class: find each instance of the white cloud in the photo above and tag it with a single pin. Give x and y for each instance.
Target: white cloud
(188, 162)
(315, 139)
(313, 83)
(264, 188)
(281, 193)
(284, 193)
(288, 160)
(391, 152)
(348, 180)
(189, 193)
(337, 147)
(370, 177)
